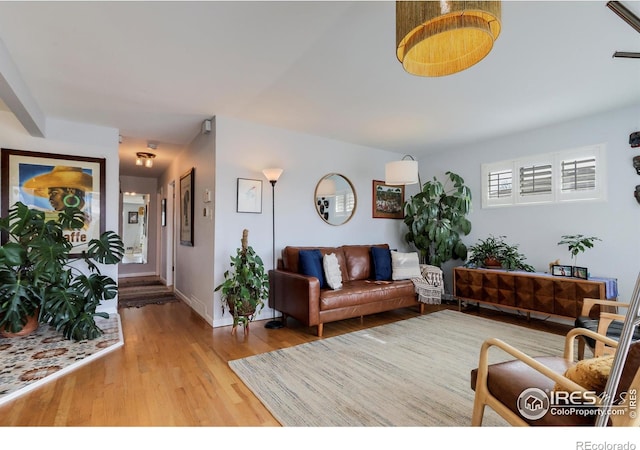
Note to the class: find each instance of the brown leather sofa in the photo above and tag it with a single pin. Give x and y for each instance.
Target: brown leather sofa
(301, 297)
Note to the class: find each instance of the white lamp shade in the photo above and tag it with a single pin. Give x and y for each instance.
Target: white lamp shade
(272, 174)
(401, 172)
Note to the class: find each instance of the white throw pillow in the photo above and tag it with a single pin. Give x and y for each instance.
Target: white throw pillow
(405, 266)
(332, 272)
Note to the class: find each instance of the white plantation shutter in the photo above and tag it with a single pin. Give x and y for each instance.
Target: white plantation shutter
(569, 175)
(579, 175)
(500, 184)
(535, 180)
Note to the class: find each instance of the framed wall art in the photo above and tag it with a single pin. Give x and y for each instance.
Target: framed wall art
(163, 212)
(186, 207)
(50, 182)
(388, 200)
(249, 196)
(133, 217)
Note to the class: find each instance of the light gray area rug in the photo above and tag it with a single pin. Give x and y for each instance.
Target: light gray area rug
(415, 372)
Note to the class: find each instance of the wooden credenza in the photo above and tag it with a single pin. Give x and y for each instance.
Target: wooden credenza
(529, 292)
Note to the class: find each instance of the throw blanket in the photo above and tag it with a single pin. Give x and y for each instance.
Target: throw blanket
(430, 286)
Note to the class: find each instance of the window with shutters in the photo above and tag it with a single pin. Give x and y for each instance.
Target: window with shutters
(569, 175)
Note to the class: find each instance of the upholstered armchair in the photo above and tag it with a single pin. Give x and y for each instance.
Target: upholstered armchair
(563, 391)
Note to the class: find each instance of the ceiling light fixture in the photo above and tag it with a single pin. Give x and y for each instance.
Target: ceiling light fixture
(437, 38)
(144, 159)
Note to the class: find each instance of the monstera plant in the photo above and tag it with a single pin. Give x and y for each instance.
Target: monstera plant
(436, 219)
(40, 278)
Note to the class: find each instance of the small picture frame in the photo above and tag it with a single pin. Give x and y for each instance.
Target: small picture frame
(249, 198)
(388, 201)
(562, 271)
(580, 272)
(133, 217)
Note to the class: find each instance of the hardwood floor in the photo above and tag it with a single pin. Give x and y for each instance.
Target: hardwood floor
(172, 371)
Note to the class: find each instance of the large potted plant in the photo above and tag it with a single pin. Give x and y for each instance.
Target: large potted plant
(436, 219)
(245, 285)
(40, 278)
(495, 253)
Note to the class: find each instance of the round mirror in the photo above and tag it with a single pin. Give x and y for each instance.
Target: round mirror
(335, 199)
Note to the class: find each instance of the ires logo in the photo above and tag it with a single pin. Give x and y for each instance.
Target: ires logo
(534, 403)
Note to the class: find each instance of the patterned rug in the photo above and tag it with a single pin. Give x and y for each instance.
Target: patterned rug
(139, 293)
(30, 361)
(414, 372)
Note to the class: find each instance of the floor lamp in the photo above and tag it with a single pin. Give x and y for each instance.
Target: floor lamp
(272, 175)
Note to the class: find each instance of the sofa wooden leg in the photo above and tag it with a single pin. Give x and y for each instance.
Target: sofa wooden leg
(320, 326)
(421, 308)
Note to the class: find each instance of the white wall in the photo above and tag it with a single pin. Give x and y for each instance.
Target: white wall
(193, 280)
(243, 149)
(538, 228)
(71, 138)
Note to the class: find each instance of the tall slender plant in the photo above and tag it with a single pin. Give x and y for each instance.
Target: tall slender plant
(436, 219)
(577, 243)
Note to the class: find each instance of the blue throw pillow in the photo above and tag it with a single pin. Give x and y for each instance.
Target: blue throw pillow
(381, 263)
(310, 263)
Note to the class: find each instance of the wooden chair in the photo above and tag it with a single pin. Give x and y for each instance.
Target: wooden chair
(609, 324)
(517, 389)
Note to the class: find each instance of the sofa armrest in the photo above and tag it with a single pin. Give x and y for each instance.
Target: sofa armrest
(295, 295)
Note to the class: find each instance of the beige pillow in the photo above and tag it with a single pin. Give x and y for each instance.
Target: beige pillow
(332, 272)
(405, 266)
(592, 374)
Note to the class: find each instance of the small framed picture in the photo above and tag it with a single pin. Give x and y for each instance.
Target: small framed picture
(562, 271)
(133, 217)
(249, 196)
(388, 201)
(580, 272)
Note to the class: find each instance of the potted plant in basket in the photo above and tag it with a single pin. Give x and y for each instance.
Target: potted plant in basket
(40, 280)
(495, 253)
(245, 285)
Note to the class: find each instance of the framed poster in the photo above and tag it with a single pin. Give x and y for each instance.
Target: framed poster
(388, 201)
(186, 208)
(249, 196)
(133, 217)
(50, 182)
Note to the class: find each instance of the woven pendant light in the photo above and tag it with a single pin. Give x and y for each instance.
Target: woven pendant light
(440, 38)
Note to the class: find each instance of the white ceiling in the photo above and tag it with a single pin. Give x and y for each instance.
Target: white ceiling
(156, 70)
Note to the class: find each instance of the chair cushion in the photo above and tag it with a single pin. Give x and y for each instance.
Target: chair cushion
(614, 331)
(310, 263)
(507, 380)
(381, 263)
